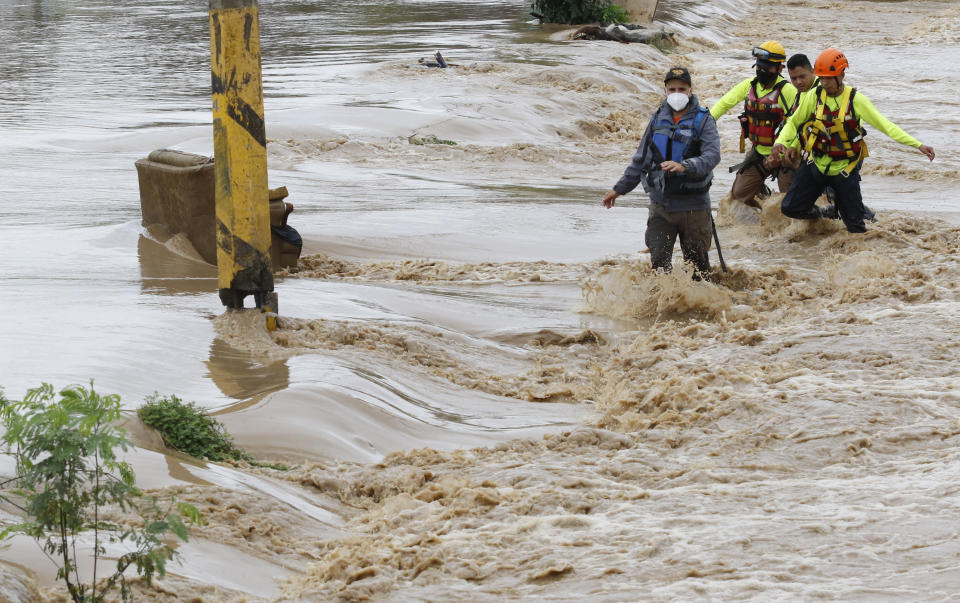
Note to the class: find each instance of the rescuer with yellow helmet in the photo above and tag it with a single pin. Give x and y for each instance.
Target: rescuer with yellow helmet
(829, 121)
(767, 98)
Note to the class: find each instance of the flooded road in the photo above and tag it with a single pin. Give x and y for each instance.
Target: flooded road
(481, 389)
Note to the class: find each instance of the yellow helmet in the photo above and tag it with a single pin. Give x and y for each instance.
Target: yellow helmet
(771, 51)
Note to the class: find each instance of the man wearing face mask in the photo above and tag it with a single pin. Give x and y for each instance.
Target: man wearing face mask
(767, 99)
(675, 162)
(829, 121)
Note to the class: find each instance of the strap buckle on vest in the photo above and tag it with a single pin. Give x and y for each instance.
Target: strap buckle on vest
(845, 172)
(816, 128)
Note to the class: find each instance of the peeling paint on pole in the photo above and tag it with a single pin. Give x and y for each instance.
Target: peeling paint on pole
(240, 152)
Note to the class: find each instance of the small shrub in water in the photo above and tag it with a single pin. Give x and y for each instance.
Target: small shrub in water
(614, 14)
(187, 428)
(67, 471)
(579, 11)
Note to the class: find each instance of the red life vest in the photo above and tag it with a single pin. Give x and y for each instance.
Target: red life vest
(764, 114)
(841, 143)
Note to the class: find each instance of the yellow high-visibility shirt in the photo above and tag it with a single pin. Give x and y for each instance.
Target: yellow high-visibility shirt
(862, 108)
(738, 94)
(801, 95)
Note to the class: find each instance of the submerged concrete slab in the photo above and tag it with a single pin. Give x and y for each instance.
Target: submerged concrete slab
(177, 192)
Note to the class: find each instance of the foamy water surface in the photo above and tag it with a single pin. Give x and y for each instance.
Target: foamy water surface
(481, 390)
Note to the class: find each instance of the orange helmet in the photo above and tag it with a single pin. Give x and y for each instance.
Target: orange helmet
(830, 63)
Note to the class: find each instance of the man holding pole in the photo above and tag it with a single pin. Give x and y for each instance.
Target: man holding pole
(675, 162)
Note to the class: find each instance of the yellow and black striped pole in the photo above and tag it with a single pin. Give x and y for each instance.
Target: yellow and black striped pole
(240, 150)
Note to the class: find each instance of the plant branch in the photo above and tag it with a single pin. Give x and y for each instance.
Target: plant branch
(66, 560)
(96, 521)
(65, 480)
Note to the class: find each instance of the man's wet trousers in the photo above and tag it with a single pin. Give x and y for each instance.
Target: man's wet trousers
(695, 231)
(808, 184)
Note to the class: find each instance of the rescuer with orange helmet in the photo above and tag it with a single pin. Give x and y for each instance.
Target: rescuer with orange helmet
(767, 98)
(829, 121)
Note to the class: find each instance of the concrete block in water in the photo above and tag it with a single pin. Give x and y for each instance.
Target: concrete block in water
(177, 192)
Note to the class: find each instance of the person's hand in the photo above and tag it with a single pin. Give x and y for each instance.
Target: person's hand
(773, 161)
(610, 198)
(792, 156)
(672, 166)
(928, 151)
(777, 150)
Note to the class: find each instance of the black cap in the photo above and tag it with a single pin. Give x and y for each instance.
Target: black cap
(678, 73)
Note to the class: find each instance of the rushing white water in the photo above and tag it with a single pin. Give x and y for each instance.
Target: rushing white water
(482, 389)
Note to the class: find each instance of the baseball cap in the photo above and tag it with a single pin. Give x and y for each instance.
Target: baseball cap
(678, 73)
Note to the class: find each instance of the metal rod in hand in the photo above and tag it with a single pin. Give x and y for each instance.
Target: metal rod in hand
(716, 239)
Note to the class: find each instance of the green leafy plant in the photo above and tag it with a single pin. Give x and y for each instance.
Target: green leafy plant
(67, 472)
(187, 428)
(613, 13)
(579, 11)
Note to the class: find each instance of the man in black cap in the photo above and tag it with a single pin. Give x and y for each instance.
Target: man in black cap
(675, 162)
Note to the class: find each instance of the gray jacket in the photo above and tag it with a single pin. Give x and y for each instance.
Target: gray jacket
(676, 192)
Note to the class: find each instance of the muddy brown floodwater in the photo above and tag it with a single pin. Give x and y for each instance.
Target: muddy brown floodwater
(479, 388)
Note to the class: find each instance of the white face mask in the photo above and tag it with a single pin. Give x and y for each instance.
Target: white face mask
(678, 101)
